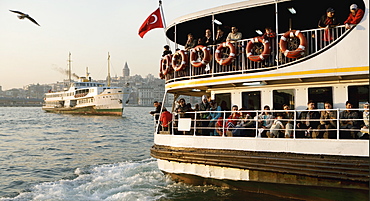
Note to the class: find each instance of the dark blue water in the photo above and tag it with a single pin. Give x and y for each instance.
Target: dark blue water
(45, 156)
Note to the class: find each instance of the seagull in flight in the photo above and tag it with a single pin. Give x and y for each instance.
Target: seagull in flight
(23, 15)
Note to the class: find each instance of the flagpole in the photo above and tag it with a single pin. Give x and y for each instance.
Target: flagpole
(164, 21)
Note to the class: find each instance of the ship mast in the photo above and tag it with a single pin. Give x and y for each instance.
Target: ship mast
(69, 69)
(108, 70)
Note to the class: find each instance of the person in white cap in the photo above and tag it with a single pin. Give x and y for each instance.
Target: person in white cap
(354, 17)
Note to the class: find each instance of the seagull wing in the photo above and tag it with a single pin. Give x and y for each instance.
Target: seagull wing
(32, 20)
(18, 12)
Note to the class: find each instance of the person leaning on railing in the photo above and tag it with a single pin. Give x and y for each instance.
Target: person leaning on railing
(328, 21)
(354, 16)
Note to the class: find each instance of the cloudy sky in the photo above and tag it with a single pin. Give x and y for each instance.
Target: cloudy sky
(89, 29)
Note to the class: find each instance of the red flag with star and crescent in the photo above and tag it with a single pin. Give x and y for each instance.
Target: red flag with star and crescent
(153, 21)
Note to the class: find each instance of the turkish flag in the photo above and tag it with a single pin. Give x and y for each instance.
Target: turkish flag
(153, 21)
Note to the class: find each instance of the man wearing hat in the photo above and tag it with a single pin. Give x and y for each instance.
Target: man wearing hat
(354, 17)
(328, 21)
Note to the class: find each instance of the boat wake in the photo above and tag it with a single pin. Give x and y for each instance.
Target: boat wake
(120, 181)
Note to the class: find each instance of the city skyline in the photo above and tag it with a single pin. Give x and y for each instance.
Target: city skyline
(32, 54)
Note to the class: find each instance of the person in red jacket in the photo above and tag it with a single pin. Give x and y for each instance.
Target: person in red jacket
(165, 119)
(354, 17)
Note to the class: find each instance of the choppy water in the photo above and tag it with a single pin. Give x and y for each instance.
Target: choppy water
(45, 156)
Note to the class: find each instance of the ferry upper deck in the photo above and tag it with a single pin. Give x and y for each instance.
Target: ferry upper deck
(344, 57)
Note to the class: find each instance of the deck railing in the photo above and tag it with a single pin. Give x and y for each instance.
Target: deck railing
(317, 41)
(253, 124)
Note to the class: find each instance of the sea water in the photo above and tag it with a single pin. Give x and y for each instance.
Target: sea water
(46, 156)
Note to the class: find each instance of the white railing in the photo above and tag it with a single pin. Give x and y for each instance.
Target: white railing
(254, 124)
(317, 41)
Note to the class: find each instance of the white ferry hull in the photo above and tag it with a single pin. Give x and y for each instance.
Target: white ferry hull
(90, 110)
(272, 166)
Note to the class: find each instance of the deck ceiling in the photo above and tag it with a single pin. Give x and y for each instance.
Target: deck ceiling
(205, 89)
(257, 18)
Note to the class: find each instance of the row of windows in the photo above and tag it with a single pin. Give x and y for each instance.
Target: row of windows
(86, 100)
(357, 95)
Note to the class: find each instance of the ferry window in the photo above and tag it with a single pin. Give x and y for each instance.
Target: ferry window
(251, 100)
(358, 95)
(224, 101)
(283, 96)
(320, 95)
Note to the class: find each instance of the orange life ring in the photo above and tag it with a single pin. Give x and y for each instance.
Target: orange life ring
(227, 61)
(194, 56)
(166, 64)
(266, 49)
(284, 43)
(177, 66)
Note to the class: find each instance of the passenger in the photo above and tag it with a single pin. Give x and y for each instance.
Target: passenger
(328, 21)
(166, 50)
(232, 120)
(220, 126)
(354, 17)
(220, 37)
(190, 43)
(287, 121)
(270, 36)
(308, 120)
(364, 133)
(207, 39)
(182, 108)
(156, 111)
(196, 107)
(213, 116)
(234, 35)
(204, 106)
(327, 123)
(265, 120)
(199, 41)
(166, 119)
(348, 122)
(246, 126)
(277, 127)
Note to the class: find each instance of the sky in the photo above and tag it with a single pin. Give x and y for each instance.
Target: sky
(88, 29)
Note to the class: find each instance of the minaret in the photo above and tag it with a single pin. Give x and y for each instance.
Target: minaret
(126, 71)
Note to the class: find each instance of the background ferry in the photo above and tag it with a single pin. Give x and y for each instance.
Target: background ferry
(301, 63)
(88, 97)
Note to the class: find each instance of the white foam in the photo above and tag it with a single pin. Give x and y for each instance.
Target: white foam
(120, 181)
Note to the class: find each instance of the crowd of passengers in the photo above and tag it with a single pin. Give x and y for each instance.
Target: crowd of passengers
(310, 123)
(327, 21)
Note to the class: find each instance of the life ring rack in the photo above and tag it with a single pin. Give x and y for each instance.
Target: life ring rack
(194, 56)
(232, 54)
(293, 54)
(266, 49)
(165, 66)
(178, 66)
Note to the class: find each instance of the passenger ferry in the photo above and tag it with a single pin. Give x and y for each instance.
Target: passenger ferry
(87, 97)
(301, 66)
